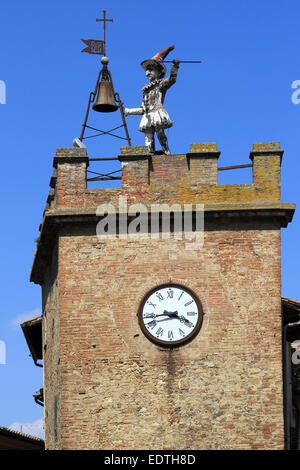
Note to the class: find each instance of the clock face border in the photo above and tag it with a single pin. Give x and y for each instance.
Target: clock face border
(182, 341)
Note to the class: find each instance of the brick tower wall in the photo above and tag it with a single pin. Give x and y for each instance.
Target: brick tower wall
(107, 386)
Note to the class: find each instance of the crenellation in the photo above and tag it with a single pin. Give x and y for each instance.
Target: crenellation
(155, 178)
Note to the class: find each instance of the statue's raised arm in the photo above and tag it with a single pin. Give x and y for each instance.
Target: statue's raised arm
(167, 82)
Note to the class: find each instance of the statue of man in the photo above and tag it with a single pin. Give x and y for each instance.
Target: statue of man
(155, 117)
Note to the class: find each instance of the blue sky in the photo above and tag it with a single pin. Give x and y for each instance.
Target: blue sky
(240, 94)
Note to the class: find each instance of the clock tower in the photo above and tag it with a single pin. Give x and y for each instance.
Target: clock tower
(163, 336)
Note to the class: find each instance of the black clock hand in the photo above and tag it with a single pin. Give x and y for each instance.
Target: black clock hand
(169, 314)
(185, 320)
(165, 314)
(181, 318)
(173, 314)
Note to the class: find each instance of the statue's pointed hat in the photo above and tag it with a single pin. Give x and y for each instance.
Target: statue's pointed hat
(157, 61)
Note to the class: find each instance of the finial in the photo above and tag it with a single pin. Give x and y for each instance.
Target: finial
(104, 60)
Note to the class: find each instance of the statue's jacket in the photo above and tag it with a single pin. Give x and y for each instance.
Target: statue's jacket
(154, 113)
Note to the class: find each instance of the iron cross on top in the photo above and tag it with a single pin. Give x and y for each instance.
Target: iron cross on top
(104, 19)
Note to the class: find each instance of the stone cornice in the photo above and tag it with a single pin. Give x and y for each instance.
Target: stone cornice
(279, 213)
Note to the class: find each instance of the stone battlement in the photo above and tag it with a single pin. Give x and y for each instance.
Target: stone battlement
(148, 178)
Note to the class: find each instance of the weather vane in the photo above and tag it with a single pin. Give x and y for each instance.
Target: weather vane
(107, 100)
(155, 117)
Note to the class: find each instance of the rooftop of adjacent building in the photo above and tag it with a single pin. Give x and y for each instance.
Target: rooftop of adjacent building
(15, 440)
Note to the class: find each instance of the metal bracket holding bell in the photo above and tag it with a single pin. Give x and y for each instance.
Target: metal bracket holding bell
(107, 101)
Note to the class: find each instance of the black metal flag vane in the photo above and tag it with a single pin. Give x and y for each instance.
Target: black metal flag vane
(107, 100)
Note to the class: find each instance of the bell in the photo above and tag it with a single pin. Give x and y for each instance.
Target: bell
(105, 102)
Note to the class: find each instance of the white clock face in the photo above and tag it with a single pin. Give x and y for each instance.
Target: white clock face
(170, 315)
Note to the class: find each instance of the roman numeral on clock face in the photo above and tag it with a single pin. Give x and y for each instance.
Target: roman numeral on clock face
(170, 335)
(159, 332)
(152, 324)
(170, 293)
(149, 315)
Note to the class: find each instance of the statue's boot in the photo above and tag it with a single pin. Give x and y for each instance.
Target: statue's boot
(163, 141)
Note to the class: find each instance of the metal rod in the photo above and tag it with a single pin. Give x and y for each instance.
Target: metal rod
(98, 159)
(113, 135)
(234, 167)
(105, 179)
(104, 25)
(91, 99)
(104, 132)
(100, 130)
(118, 100)
(104, 19)
(103, 174)
(182, 61)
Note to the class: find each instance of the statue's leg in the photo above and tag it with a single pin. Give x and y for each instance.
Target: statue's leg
(149, 141)
(163, 141)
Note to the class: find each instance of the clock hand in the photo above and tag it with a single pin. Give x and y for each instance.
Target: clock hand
(181, 318)
(173, 314)
(185, 320)
(165, 314)
(169, 314)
